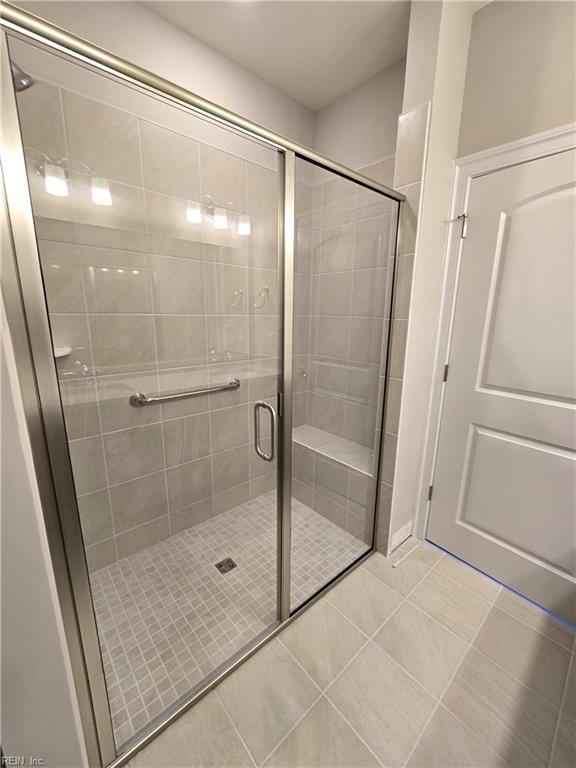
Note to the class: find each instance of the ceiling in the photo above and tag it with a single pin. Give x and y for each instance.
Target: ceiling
(312, 51)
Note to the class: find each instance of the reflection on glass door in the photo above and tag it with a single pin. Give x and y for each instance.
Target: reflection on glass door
(344, 254)
(157, 235)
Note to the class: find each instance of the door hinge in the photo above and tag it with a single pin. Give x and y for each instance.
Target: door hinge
(430, 490)
(464, 219)
(445, 375)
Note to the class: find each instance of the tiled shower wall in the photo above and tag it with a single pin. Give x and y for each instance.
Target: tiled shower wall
(345, 244)
(408, 173)
(150, 302)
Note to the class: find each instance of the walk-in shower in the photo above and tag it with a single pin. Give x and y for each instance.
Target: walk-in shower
(207, 311)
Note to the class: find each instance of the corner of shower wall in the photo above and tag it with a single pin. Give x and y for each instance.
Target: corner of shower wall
(408, 173)
(345, 250)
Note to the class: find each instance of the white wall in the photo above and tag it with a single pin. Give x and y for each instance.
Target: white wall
(446, 54)
(521, 74)
(137, 34)
(360, 127)
(39, 715)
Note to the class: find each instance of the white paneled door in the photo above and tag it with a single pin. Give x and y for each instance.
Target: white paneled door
(504, 495)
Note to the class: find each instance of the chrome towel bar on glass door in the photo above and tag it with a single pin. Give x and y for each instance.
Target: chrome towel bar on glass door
(138, 400)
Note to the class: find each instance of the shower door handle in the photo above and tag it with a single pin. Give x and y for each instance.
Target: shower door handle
(257, 447)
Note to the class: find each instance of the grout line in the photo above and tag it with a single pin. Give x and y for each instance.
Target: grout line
(368, 747)
(571, 663)
(293, 728)
(236, 729)
(448, 684)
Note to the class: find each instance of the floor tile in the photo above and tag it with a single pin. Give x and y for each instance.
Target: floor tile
(191, 742)
(468, 577)
(324, 739)
(428, 553)
(167, 617)
(508, 717)
(365, 600)
(382, 703)
(401, 579)
(446, 743)
(454, 606)
(323, 641)
(530, 657)
(266, 696)
(535, 617)
(565, 748)
(569, 706)
(424, 648)
(404, 550)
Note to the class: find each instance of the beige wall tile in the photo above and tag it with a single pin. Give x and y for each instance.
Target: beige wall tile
(45, 135)
(226, 289)
(114, 400)
(368, 292)
(186, 439)
(181, 340)
(62, 277)
(117, 282)
(95, 517)
(144, 536)
(170, 161)
(104, 138)
(223, 178)
(87, 457)
(122, 343)
(72, 331)
(262, 191)
(101, 554)
(189, 483)
(139, 501)
(80, 403)
(230, 468)
(133, 452)
(230, 427)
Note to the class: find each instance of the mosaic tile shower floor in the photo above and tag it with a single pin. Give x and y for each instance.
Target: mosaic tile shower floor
(167, 617)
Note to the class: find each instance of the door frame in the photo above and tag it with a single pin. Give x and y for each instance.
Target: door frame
(466, 169)
(28, 321)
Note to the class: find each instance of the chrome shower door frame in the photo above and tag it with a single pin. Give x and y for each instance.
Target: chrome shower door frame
(22, 286)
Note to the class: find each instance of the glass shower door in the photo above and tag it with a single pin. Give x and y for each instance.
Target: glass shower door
(344, 260)
(157, 234)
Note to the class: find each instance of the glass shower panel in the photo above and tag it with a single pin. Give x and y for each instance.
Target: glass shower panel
(344, 256)
(158, 240)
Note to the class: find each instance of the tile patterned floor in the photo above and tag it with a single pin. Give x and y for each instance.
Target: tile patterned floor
(167, 617)
(422, 663)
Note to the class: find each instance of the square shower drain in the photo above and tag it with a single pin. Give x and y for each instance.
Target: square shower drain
(226, 565)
